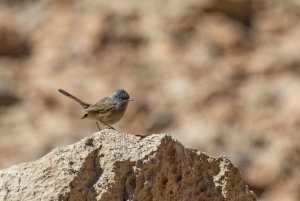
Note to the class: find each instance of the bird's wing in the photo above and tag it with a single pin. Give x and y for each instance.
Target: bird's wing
(102, 106)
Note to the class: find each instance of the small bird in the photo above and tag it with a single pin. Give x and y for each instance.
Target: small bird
(108, 111)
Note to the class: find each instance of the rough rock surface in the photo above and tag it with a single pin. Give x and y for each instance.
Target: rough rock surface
(114, 166)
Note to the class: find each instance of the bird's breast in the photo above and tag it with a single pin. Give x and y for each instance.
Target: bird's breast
(113, 116)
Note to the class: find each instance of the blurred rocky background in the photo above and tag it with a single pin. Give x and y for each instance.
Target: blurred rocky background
(222, 76)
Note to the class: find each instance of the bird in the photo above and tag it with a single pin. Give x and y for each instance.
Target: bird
(108, 111)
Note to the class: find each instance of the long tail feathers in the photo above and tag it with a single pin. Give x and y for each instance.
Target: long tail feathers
(83, 104)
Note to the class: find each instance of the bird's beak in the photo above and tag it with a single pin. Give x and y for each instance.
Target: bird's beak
(130, 99)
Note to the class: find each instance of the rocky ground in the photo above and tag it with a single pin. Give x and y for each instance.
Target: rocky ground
(223, 76)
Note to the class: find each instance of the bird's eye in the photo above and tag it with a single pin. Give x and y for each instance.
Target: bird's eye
(124, 97)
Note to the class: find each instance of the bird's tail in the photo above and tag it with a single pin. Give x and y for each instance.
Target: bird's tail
(83, 104)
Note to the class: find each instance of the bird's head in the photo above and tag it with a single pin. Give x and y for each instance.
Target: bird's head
(121, 95)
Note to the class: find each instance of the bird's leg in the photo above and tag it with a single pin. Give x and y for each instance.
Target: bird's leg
(108, 125)
(98, 126)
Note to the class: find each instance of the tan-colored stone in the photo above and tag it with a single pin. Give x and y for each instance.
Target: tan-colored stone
(115, 166)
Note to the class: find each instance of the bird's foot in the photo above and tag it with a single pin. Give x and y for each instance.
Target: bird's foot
(111, 128)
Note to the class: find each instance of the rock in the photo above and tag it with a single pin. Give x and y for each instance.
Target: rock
(13, 43)
(241, 10)
(8, 95)
(115, 166)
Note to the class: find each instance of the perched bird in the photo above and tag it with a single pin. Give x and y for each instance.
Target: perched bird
(108, 111)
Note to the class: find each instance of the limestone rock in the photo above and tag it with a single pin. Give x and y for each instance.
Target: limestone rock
(115, 166)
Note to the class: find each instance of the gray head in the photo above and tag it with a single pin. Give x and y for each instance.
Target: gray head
(121, 95)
